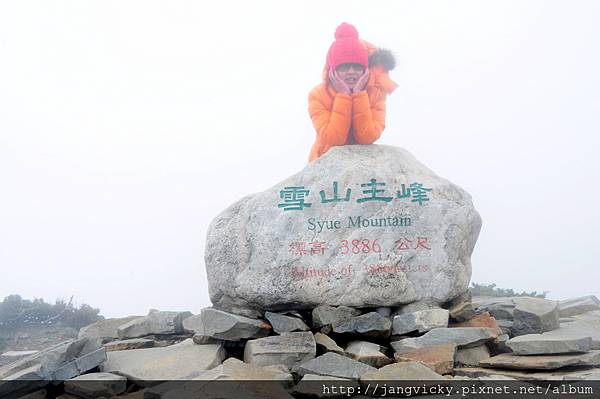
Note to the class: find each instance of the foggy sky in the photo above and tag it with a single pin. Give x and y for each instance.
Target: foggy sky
(127, 126)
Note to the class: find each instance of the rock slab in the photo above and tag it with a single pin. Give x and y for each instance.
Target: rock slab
(542, 344)
(439, 358)
(106, 330)
(463, 337)
(58, 362)
(421, 321)
(96, 385)
(282, 246)
(334, 365)
(288, 349)
(370, 324)
(184, 360)
(367, 353)
(542, 362)
(402, 371)
(155, 323)
(534, 316)
(575, 306)
(218, 324)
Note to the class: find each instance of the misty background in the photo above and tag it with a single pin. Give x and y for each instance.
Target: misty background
(127, 126)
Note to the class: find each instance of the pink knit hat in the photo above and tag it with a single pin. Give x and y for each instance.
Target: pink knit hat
(347, 48)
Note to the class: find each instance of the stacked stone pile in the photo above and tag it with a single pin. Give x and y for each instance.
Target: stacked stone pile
(352, 271)
(527, 339)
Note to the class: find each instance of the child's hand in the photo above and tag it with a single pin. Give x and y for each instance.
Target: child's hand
(338, 84)
(361, 83)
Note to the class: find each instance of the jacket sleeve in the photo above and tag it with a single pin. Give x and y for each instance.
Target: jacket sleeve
(368, 119)
(333, 125)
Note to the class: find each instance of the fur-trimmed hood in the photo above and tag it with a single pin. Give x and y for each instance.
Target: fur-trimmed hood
(383, 57)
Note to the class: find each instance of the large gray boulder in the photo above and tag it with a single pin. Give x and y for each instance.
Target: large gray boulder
(362, 226)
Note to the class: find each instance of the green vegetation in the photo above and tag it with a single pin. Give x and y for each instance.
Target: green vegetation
(17, 312)
(491, 290)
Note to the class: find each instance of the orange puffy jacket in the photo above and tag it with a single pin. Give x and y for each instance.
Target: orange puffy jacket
(358, 118)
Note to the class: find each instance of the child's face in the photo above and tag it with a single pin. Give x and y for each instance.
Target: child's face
(350, 73)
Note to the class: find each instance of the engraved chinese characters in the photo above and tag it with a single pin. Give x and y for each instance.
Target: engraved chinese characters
(361, 226)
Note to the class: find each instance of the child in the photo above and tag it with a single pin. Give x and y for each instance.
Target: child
(349, 106)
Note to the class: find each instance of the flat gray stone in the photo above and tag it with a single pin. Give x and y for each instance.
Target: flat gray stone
(58, 362)
(472, 356)
(288, 349)
(575, 306)
(535, 316)
(463, 337)
(13, 356)
(505, 325)
(540, 344)
(185, 360)
(499, 344)
(96, 385)
(193, 324)
(585, 324)
(402, 371)
(500, 308)
(259, 252)
(370, 324)
(234, 369)
(367, 353)
(325, 315)
(127, 344)
(462, 312)
(542, 362)
(327, 343)
(528, 375)
(80, 365)
(247, 381)
(334, 365)
(421, 321)
(155, 323)
(106, 330)
(231, 327)
(439, 358)
(282, 324)
(203, 340)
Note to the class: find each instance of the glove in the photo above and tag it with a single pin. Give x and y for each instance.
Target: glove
(361, 83)
(338, 84)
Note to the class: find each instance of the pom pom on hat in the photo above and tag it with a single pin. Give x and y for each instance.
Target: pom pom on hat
(347, 48)
(346, 31)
